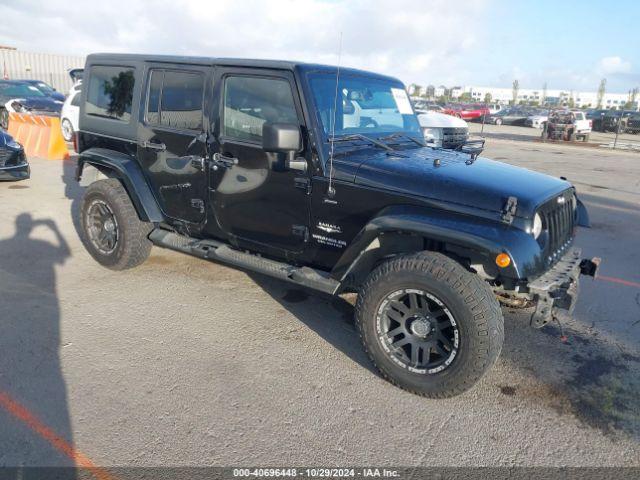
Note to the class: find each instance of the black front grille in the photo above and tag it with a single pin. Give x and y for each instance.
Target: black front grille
(5, 154)
(454, 137)
(558, 220)
(10, 158)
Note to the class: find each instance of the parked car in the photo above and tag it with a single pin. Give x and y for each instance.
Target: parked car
(424, 107)
(568, 125)
(45, 88)
(613, 117)
(69, 114)
(495, 108)
(466, 112)
(13, 162)
(597, 118)
(443, 131)
(537, 119)
(250, 163)
(633, 123)
(17, 96)
(510, 116)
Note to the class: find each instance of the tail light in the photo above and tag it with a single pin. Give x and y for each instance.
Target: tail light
(75, 141)
(590, 123)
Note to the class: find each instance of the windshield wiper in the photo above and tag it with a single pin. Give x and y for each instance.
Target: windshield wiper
(402, 135)
(359, 136)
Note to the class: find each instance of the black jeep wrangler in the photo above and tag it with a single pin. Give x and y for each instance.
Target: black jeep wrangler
(319, 176)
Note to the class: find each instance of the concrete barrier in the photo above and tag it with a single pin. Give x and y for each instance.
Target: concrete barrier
(39, 135)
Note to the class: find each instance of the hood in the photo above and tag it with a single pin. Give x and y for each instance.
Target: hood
(41, 104)
(484, 184)
(57, 96)
(440, 120)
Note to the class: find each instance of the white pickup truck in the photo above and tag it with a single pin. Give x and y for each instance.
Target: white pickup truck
(569, 125)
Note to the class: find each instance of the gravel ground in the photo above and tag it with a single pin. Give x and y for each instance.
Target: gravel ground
(184, 362)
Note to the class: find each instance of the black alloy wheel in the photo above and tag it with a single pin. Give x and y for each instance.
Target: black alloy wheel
(418, 331)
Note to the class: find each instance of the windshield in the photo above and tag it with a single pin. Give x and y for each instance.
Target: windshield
(365, 105)
(19, 90)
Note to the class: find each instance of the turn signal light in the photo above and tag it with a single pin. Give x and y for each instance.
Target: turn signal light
(503, 260)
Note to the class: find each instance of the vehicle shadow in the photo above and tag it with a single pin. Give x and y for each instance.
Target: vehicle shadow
(330, 317)
(34, 417)
(585, 377)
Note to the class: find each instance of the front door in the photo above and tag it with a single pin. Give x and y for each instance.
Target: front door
(171, 140)
(258, 202)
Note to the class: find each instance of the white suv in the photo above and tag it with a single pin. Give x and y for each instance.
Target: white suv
(69, 113)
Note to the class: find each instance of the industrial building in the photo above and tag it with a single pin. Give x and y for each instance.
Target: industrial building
(50, 68)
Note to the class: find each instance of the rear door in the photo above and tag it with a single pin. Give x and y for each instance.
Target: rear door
(257, 203)
(172, 141)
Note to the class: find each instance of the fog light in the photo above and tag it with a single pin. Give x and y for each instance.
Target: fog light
(503, 260)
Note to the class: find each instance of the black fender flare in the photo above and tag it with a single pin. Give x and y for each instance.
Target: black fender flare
(128, 171)
(482, 238)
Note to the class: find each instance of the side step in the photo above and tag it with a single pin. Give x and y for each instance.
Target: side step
(213, 250)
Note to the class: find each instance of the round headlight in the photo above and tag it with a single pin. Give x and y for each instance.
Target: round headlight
(537, 226)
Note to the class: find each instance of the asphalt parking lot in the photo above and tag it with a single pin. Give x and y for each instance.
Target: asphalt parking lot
(625, 141)
(183, 362)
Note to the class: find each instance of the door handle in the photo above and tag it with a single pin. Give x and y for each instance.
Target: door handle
(198, 162)
(224, 161)
(161, 147)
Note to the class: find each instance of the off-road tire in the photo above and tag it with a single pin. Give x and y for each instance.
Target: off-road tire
(470, 300)
(133, 245)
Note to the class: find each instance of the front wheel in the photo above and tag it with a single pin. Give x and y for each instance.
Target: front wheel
(4, 119)
(430, 326)
(110, 228)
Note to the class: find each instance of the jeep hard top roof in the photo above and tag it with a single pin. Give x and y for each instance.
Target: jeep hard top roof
(97, 58)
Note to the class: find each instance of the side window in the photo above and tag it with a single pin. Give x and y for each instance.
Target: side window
(249, 102)
(75, 101)
(175, 99)
(110, 92)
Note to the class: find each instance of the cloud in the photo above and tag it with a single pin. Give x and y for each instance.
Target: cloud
(415, 41)
(613, 65)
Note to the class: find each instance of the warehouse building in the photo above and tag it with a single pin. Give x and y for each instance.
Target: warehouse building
(50, 68)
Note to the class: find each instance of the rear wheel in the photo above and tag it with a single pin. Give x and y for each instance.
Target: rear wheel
(67, 129)
(111, 230)
(429, 325)
(498, 121)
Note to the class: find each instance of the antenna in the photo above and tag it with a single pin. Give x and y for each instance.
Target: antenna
(330, 191)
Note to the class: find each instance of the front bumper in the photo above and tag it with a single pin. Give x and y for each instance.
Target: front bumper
(558, 287)
(15, 172)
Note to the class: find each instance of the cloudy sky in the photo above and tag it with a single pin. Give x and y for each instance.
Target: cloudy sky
(570, 45)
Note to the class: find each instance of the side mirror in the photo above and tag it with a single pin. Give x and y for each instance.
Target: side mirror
(281, 138)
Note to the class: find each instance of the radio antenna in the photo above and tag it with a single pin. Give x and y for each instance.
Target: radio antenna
(331, 192)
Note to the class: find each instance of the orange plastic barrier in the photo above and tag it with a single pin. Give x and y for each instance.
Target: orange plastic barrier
(39, 135)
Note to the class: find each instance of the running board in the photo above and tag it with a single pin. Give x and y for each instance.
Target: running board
(217, 251)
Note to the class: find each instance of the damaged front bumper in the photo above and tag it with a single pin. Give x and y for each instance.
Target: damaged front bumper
(558, 287)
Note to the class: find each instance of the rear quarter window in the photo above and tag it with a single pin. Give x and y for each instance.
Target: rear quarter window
(110, 92)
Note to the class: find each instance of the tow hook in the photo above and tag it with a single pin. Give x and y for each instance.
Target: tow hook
(590, 267)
